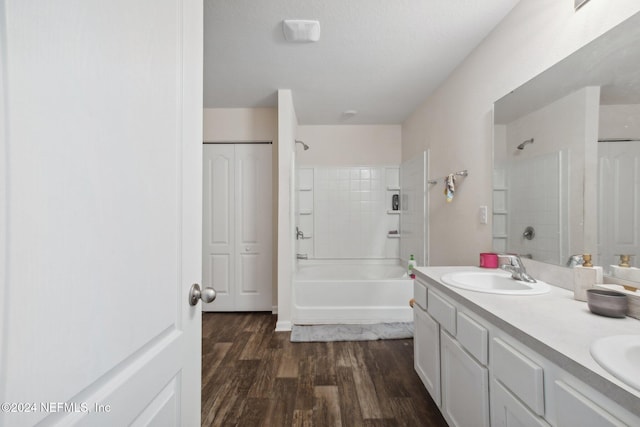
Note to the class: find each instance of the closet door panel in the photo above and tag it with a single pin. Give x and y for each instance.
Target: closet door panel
(220, 184)
(220, 271)
(249, 274)
(218, 231)
(254, 226)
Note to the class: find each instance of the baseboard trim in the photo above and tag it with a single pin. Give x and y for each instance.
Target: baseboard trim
(283, 326)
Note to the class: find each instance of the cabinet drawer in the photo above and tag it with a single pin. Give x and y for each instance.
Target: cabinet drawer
(574, 409)
(473, 337)
(519, 374)
(442, 311)
(420, 294)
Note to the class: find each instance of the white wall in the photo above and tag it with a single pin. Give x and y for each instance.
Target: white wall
(240, 124)
(619, 121)
(350, 145)
(456, 121)
(287, 125)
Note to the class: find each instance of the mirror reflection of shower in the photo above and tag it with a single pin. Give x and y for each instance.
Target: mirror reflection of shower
(305, 146)
(528, 141)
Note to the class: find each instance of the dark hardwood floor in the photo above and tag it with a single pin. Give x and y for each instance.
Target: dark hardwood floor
(253, 376)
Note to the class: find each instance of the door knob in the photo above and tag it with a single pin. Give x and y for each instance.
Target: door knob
(207, 295)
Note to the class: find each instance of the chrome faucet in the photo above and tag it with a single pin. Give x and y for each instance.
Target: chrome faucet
(513, 264)
(299, 234)
(575, 260)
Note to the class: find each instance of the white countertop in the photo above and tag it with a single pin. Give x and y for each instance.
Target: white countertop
(555, 325)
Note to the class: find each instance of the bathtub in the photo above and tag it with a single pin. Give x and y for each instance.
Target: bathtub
(350, 292)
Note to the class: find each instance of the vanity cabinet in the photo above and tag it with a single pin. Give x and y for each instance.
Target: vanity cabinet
(480, 376)
(465, 386)
(453, 374)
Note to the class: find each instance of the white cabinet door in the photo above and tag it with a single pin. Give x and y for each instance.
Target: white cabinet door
(574, 409)
(427, 352)
(508, 411)
(465, 386)
(237, 226)
(100, 218)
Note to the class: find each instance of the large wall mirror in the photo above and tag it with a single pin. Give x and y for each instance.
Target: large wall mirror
(567, 156)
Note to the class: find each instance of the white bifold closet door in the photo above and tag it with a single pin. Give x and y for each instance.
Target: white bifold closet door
(619, 204)
(237, 226)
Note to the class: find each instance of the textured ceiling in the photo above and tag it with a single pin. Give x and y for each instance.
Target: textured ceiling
(380, 57)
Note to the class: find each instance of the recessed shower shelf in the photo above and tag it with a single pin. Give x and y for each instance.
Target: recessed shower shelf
(392, 212)
(393, 236)
(392, 188)
(305, 189)
(305, 212)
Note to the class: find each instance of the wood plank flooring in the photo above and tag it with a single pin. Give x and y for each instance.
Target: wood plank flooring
(253, 376)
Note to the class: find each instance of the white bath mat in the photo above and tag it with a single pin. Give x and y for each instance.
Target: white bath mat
(327, 333)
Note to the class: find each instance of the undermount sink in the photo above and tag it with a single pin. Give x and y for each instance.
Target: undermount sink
(493, 282)
(619, 355)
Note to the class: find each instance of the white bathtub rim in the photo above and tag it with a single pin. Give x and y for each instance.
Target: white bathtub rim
(349, 261)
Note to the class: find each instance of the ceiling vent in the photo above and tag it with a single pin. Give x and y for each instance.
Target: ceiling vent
(301, 31)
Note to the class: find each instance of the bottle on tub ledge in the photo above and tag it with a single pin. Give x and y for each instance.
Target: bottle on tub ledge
(411, 266)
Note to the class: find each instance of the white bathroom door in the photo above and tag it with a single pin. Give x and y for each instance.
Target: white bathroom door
(237, 226)
(100, 218)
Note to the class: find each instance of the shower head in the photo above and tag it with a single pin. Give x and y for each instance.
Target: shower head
(305, 146)
(528, 141)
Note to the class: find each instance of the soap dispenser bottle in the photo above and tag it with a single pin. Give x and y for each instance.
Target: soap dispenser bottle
(411, 266)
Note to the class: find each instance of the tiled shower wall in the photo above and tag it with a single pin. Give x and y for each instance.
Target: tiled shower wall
(346, 212)
(537, 189)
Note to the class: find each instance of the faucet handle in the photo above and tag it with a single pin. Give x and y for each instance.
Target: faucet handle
(515, 266)
(512, 259)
